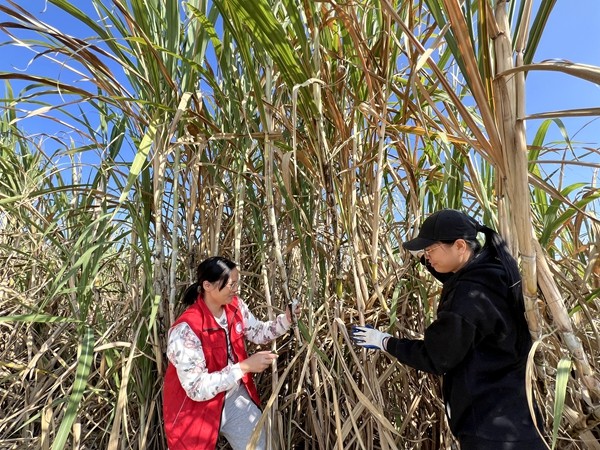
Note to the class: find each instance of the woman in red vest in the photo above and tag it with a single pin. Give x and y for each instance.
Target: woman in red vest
(208, 388)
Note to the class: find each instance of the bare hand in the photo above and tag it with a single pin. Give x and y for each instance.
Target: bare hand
(258, 362)
(292, 311)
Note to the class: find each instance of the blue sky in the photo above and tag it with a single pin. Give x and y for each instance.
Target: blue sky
(570, 34)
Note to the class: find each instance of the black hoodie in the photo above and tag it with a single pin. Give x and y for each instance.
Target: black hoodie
(479, 343)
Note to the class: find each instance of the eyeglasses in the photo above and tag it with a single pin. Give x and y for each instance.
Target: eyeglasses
(427, 251)
(233, 285)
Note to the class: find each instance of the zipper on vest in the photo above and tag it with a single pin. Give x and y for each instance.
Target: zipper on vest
(227, 335)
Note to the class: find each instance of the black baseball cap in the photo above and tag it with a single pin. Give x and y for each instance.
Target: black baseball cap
(443, 225)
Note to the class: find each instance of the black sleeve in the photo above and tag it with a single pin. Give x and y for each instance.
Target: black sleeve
(447, 341)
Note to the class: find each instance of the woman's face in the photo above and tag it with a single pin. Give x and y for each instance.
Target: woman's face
(221, 297)
(446, 258)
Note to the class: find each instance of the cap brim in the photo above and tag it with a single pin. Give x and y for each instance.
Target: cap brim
(418, 244)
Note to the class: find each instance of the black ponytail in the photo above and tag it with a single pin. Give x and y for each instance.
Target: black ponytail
(213, 269)
(498, 245)
(191, 294)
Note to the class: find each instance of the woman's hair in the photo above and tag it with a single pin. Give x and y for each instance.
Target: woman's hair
(473, 244)
(495, 242)
(213, 269)
(498, 246)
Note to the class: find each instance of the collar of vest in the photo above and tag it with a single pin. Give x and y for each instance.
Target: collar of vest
(208, 319)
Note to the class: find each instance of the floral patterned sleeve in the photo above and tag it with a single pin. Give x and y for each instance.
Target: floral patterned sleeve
(184, 350)
(262, 332)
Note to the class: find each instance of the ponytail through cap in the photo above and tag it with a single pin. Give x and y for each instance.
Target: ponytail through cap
(498, 244)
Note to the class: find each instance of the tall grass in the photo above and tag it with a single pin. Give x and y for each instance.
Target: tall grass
(303, 140)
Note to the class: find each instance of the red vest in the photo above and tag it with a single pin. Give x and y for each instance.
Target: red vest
(191, 425)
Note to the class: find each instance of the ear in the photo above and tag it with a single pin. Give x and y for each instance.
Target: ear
(207, 286)
(461, 245)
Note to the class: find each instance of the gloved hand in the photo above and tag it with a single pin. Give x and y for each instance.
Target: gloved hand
(369, 337)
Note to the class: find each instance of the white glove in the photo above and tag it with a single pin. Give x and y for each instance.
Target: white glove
(369, 337)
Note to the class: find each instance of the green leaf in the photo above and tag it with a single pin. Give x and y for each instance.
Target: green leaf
(36, 318)
(86, 350)
(139, 160)
(562, 377)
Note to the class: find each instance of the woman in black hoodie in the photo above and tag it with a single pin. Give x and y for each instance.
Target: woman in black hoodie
(479, 341)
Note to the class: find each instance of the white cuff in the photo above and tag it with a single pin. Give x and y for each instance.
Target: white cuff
(237, 372)
(285, 322)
